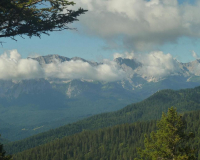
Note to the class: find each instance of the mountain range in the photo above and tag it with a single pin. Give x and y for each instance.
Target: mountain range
(31, 106)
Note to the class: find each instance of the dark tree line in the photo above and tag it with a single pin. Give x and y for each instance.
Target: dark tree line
(119, 142)
(149, 109)
(3, 155)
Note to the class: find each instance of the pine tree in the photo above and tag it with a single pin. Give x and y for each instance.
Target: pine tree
(35, 17)
(168, 142)
(2, 153)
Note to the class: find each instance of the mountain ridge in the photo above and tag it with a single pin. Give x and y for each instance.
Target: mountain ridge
(37, 102)
(184, 100)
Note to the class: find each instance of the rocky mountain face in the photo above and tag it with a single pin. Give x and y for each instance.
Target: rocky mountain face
(36, 105)
(13, 89)
(54, 58)
(73, 87)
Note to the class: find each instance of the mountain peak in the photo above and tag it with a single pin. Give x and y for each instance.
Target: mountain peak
(133, 63)
(50, 59)
(55, 57)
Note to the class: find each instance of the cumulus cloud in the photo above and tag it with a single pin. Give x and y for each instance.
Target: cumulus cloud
(109, 71)
(12, 66)
(154, 64)
(141, 24)
(158, 64)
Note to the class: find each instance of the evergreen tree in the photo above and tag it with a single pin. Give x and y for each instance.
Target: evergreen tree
(169, 142)
(2, 154)
(34, 17)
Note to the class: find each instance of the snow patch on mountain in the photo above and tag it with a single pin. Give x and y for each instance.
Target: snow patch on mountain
(13, 67)
(134, 68)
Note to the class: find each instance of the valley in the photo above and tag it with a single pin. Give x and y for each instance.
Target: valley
(185, 100)
(115, 143)
(33, 106)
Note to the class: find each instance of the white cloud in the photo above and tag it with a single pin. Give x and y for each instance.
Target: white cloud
(154, 64)
(34, 55)
(194, 54)
(12, 66)
(142, 24)
(125, 55)
(158, 64)
(109, 71)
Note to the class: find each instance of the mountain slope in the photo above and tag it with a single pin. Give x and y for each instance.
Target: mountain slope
(151, 108)
(40, 104)
(115, 143)
(37, 105)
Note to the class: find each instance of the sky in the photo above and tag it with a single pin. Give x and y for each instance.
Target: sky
(118, 26)
(157, 33)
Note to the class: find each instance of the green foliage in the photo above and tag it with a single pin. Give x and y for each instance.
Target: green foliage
(168, 141)
(149, 109)
(2, 153)
(34, 17)
(3, 140)
(113, 143)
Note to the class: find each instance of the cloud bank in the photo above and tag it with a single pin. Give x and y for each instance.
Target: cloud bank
(141, 24)
(109, 71)
(154, 64)
(12, 66)
(158, 64)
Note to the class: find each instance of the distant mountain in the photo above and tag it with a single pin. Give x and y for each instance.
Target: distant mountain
(50, 59)
(53, 58)
(33, 106)
(149, 109)
(191, 67)
(132, 63)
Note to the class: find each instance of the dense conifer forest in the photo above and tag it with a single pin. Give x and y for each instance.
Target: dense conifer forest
(113, 143)
(149, 109)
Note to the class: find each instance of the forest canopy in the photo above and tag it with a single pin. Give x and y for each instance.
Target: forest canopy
(169, 141)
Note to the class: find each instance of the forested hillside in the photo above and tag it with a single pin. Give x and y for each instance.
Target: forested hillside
(3, 141)
(113, 143)
(149, 109)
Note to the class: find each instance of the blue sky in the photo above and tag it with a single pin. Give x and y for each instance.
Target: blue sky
(92, 43)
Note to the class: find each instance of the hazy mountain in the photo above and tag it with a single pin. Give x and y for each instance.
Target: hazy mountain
(54, 58)
(32, 106)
